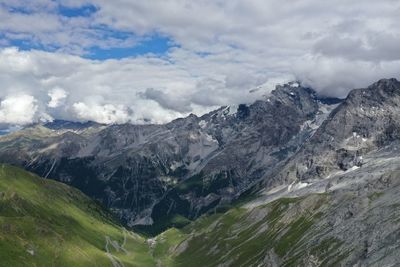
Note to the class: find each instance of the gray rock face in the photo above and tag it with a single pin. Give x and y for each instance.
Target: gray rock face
(350, 218)
(147, 173)
(366, 120)
(355, 221)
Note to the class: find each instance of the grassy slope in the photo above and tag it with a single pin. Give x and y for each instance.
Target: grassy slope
(277, 231)
(59, 226)
(62, 227)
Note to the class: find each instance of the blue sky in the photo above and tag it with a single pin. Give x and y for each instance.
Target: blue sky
(149, 43)
(82, 11)
(154, 44)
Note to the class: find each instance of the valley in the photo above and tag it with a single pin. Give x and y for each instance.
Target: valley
(318, 186)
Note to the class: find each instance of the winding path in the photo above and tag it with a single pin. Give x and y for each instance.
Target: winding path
(114, 260)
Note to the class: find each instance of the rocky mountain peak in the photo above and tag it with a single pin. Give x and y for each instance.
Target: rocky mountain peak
(368, 119)
(292, 94)
(379, 92)
(391, 84)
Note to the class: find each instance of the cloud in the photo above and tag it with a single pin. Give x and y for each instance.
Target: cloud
(101, 113)
(57, 95)
(18, 109)
(69, 87)
(335, 77)
(179, 103)
(222, 50)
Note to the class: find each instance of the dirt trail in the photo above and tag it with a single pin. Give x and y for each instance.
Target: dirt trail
(114, 260)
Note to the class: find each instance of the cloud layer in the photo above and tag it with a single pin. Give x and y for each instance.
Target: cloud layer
(221, 50)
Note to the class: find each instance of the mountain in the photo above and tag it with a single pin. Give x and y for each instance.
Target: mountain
(354, 223)
(335, 202)
(290, 180)
(163, 175)
(366, 121)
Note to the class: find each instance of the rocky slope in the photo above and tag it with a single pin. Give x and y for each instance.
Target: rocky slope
(348, 219)
(367, 120)
(169, 174)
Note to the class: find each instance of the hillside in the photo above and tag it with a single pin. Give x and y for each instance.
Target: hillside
(46, 223)
(348, 219)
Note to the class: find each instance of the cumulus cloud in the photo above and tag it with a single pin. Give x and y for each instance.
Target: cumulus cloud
(57, 95)
(107, 113)
(19, 109)
(223, 50)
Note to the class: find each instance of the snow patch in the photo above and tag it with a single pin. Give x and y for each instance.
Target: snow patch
(323, 113)
(231, 110)
(202, 124)
(353, 168)
(296, 186)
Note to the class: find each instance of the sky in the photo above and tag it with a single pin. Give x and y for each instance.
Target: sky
(153, 61)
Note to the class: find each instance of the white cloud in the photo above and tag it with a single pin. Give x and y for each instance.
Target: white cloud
(224, 49)
(141, 89)
(18, 109)
(336, 76)
(101, 113)
(57, 95)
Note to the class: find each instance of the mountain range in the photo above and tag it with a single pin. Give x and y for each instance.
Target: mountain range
(294, 179)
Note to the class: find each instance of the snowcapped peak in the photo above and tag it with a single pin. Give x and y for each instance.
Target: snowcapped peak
(230, 110)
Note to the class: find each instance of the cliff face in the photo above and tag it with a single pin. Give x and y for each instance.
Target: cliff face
(367, 120)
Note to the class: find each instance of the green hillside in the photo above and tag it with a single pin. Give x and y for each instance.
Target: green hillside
(276, 232)
(46, 223)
